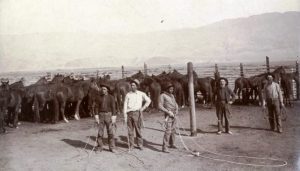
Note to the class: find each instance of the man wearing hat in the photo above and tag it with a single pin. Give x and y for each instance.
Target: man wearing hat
(272, 97)
(106, 117)
(225, 98)
(133, 108)
(168, 105)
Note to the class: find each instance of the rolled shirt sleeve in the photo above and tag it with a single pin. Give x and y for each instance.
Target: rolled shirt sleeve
(147, 100)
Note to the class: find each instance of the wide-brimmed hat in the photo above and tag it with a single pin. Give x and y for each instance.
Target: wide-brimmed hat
(105, 85)
(223, 78)
(168, 85)
(135, 81)
(270, 74)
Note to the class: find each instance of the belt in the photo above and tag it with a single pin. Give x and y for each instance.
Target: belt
(105, 113)
(133, 111)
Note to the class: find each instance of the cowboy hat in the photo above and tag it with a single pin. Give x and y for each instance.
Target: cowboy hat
(168, 85)
(223, 78)
(270, 74)
(135, 81)
(105, 85)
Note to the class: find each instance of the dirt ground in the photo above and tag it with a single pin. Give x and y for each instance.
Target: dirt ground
(68, 146)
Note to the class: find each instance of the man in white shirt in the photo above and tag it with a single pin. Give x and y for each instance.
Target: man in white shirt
(272, 97)
(133, 108)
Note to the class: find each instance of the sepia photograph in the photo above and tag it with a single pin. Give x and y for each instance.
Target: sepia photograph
(148, 85)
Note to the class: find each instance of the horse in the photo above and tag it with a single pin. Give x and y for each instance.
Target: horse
(178, 90)
(287, 86)
(12, 102)
(242, 85)
(152, 87)
(206, 89)
(257, 82)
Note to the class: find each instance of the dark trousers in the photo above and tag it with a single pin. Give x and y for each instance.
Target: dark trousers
(223, 112)
(2, 125)
(13, 116)
(105, 121)
(169, 137)
(274, 114)
(134, 123)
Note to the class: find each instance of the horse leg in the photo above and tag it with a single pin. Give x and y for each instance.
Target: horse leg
(36, 110)
(77, 116)
(16, 115)
(62, 107)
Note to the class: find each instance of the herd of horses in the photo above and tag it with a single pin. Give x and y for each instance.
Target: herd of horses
(64, 97)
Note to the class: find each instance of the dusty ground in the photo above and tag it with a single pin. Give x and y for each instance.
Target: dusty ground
(69, 146)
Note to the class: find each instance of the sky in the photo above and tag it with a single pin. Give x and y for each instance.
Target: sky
(25, 25)
(126, 16)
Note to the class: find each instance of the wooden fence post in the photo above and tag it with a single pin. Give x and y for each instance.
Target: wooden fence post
(217, 74)
(267, 64)
(241, 70)
(192, 99)
(297, 84)
(97, 74)
(123, 73)
(145, 69)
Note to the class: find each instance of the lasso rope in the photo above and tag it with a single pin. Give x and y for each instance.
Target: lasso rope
(282, 114)
(284, 163)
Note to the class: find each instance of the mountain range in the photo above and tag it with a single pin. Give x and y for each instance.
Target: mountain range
(276, 35)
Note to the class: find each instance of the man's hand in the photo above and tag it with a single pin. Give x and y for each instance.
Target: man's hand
(171, 114)
(113, 119)
(230, 102)
(166, 119)
(281, 105)
(97, 119)
(141, 110)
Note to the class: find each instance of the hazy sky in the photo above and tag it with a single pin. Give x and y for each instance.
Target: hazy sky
(126, 16)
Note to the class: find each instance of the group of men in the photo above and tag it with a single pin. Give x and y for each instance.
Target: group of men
(137, 101)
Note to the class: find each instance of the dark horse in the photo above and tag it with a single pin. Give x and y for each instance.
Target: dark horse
(242, 86)
(12, 102)
(258, 82)
(287, 86)
(206, 87)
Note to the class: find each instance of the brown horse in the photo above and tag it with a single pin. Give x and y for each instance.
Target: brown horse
(152, 87)
(205, 86)
(242, 86)
(178, 90)
(258, 82)
(287, 86)
(13, 101)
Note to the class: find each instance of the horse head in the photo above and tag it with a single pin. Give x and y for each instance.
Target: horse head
(58, 78)
(5, 84)
(278, 73)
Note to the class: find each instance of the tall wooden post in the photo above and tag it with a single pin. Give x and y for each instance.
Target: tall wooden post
(145, 69)
(97, 74)
(123, 73)
(192, 99)
(297, 84)
(217, 74)
(241, 70)
(267, 64)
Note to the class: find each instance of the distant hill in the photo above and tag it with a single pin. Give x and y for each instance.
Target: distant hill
(276, 35)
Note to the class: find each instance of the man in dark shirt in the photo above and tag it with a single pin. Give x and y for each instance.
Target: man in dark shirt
(225, 97)
(106, 117)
